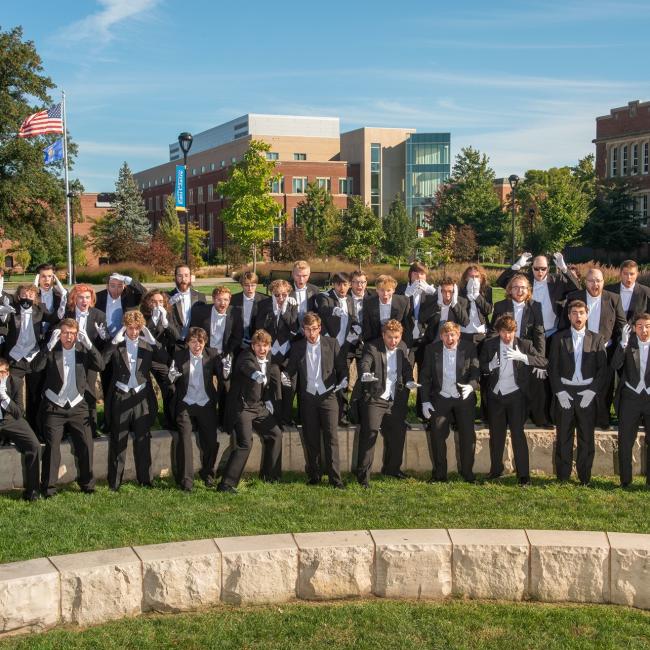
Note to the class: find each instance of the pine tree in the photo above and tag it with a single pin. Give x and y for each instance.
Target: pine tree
(400, 232)
(318, 217)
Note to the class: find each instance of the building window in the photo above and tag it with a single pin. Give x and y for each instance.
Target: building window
(345, 185)
(212, 167)
(635, 159)
(200, 195)
(157, 203)
(614, 162)
(190, 196)
(203, 169)
(280, 231)
(300, 156)
(644, 210)
(151, 204)
(272, 155)
(645, 157)
(223, 163)
(155, 182)
(296, 220)
(193, 171)
(375, 178)
(624, 161)
(324, 184)
(149, 183)
(299, 184)
(277, 185)
(210, 192)
(233, 160)
(169, 179)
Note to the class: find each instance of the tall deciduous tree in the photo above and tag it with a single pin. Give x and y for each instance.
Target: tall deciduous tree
(125, 228)
(173, 235)
(251, 212)
(361, 231)
(400, 232)
(318, 217)
(468, 198)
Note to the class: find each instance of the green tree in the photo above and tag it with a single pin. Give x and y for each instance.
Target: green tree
(32, 196)
(400, 232)
(173, 235)
(319, 218)
(468, 198)
(429, 248)
(251, 212)
(614, 224)
(125, 228)
(361, 231)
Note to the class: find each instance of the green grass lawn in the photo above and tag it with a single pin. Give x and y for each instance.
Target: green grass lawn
(73, 522)
(366, 625)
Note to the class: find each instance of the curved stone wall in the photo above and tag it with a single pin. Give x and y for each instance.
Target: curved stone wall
(541, 443)
(544, 565)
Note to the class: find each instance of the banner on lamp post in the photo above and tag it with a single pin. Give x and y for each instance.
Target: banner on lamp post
(179, 190)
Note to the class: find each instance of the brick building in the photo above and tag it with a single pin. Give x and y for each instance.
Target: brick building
(623, 149)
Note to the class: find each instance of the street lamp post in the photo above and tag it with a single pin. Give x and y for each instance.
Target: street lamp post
(185, 142)
(513, 179)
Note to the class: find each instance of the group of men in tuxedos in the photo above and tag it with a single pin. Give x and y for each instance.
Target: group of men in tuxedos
(550, 350)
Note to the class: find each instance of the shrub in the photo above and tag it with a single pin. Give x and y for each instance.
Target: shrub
(99, 274)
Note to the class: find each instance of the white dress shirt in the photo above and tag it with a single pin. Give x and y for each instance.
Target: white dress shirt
(195, 386)
(82, 318)
(518, 309)
(444, 314)
(358, 307)
(26, 346)
(449, 388)
(47, 298)
(114, 313)
(217, 329)
(247, 311)
(506, 383)
(69, 393)
(542, 295)
(578, 338)
(626, 297)
(301, 299)
(315, 384)
(474, 326)
(384, 312)
(132, 357)
(643, 364)
(343, 306)
(594, 304)
(391, 375)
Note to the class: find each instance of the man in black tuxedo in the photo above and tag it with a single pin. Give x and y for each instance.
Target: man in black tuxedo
(51, 293)
(254, 388)
(14, 427)
(121, 294)
(578, 372)
(607, 318)
(248, 301)
(69, 361)
(449, 379)
(382, 307)
(422, 304)
(635, 297)
(359, 293)
(182, 299)
(633, 393)
(447, 306)
(131, 401)
(303, 293)
(385, 379)
(506, 362)
(195, 403)
(322, 371)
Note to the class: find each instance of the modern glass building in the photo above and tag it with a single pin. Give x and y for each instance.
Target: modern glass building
(427, 168)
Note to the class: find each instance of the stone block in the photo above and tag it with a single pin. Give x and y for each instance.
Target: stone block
(490, 563)
(335, 565)
(293, 452)
(180, 576)
(100, 458)
(11, 474)
(541, 450)
(630, 569)
(606, 456)
(412, 563)
(416, 451)
(258, 569)
(30, 596)
(161, 453)
(569, 566)
(99, 586)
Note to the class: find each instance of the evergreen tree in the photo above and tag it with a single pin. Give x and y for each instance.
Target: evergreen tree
(361, 231)
(469, 198)
(171, 232)
(251, 212)
(400, 232)
(318, 217)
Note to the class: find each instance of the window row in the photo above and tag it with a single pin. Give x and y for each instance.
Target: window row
(629, 159)
(299, 185)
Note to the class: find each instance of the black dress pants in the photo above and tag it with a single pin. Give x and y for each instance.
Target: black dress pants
(320, 419)
(20, 433)
(508, 411)
(632, 410)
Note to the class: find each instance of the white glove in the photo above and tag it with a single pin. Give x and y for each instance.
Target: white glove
(5, 310)
(259, 377)
(558, 258)
(36, 277)
(54, 339)
(540, 373)
(119, 337)
(495, 362)
(356, 329)
(473, 288)
(465, 390)
(122, 278)
(429, 289)
(177, 297)
(565, 399)
(412, 385)
(147, 336)
(173, 374)
(2, 282)
(269, 406)
(285, 379)
(60, 312)
(524, 260)
(59, 286)
(439, 296)
(625, 335)
(513, 354)
(454, 296)
(342, 386)
(3, 390)
(226, 365)
(337, 311)
(368, 377)
(101, 331)
(587, 397)
(291, 301)
(412, 289)
(352, 337)
(427, 410)
(84, 339)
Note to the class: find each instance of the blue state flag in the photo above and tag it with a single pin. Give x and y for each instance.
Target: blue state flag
(53, 152)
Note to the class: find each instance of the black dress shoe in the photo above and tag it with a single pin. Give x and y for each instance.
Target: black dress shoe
(229, 489)
(337, 485)
(523, 481)
(186, 488)
(493, 476)
(398, 475)
(31, 496)
(88, 490)
(625, 485)
(209, 481)
(363, 482)
(313, 481)
(435, 479)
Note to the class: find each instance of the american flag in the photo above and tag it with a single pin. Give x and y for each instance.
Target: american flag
(48, 121)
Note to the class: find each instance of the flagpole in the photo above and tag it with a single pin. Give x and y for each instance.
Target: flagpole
(68, 218)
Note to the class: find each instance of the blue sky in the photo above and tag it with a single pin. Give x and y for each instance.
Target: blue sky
(521, 81)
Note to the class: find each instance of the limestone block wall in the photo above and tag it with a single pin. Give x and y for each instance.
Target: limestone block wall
(541, 444)
(544, 565)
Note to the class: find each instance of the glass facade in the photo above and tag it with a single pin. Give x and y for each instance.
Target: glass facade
(427, 168)
(375, 178)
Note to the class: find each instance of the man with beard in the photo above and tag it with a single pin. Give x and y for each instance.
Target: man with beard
(182, 299)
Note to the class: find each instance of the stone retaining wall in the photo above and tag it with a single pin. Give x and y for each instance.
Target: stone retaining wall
(541, 444)
(514, 565)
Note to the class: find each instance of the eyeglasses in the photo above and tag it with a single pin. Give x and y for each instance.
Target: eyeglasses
(540, 268)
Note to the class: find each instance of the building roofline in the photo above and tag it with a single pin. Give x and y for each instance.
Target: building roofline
(633, 104)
